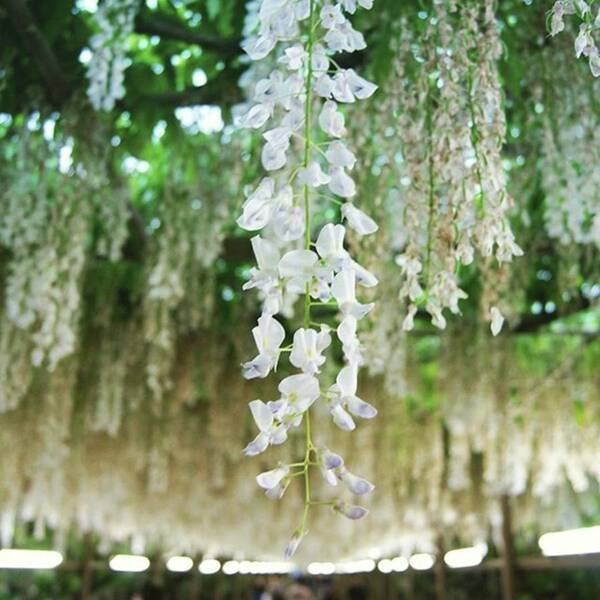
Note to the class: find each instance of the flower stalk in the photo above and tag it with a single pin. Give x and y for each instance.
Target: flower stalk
(304, 96)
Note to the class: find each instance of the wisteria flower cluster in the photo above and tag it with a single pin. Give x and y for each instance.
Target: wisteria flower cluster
(106, 69)
(452, 207)
(585, 44)
(308, 164)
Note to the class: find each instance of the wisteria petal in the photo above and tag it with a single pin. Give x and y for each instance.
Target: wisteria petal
(331, 460)
(360, 408)
(351, 511)
(263, 417)
(297, 263)
(358, 220)
(259, 444)
(347, 381)
(269, 479)
(342, 419)
(341, 183)
(357, 485)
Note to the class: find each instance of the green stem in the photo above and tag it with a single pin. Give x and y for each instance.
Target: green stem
(429, 124)
(480, 202)
(307, 244)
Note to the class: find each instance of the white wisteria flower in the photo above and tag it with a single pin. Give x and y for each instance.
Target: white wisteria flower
(297, 267)
(343, 290)
(357, 485)
(351, 346)
(340, 183)
(268, 335)
(299, 100)
(350, 510)
(358, 220)
(585, 44)
(496, 320)
(299, 391)
(271, 432)
(274, 482)
(330, 244)
(338, 155)
(331, 120)
(313, 175)
(343, 400)
(258, 207)
(308, 347)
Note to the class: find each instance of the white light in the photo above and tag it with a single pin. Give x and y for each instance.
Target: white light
(421, 562)
(465, 557)
(254, 567)
(321, 568)
(572, 541)
(327, 568)
(29, 559)
(384, 565)
(200, 118)
(179, 564)
(271, 568)
(399, 564)
(129, 563)
(88, 5)
(85, 56)
(231, 567)
(314, 568)
(209, 566)
(356, 566)
(244, 567)
(199, 78)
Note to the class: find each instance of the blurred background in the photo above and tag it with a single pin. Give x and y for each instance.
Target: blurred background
(123, 412)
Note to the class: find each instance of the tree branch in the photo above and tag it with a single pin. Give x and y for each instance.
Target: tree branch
(40, 51)
(173, 30)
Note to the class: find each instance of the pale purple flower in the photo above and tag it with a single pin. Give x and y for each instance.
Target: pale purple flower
(258, 207)
(268, 336)
(338, 155)
(357, 485)
(496, 320)
(307, 349)
(349, 510)
(270, 432)
(358, 220)
(312, 175)
(330, 244)
(331, 120)
(344, 401)
(274, 481)
(341, 183)
(293, 544)
(300, 391)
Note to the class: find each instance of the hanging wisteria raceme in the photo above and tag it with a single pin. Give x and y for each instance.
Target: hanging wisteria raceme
(106, 68)
(308, 165)
(589, 23)
(45, 228)
(179, 280)
(78, 442)
(451, 198)
(570, 152)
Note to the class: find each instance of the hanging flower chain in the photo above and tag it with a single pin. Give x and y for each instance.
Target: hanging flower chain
(302, 93)
(585, 44)
(106, 69)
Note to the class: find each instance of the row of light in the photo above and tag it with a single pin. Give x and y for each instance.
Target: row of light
(455, 559)
(558, 543)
